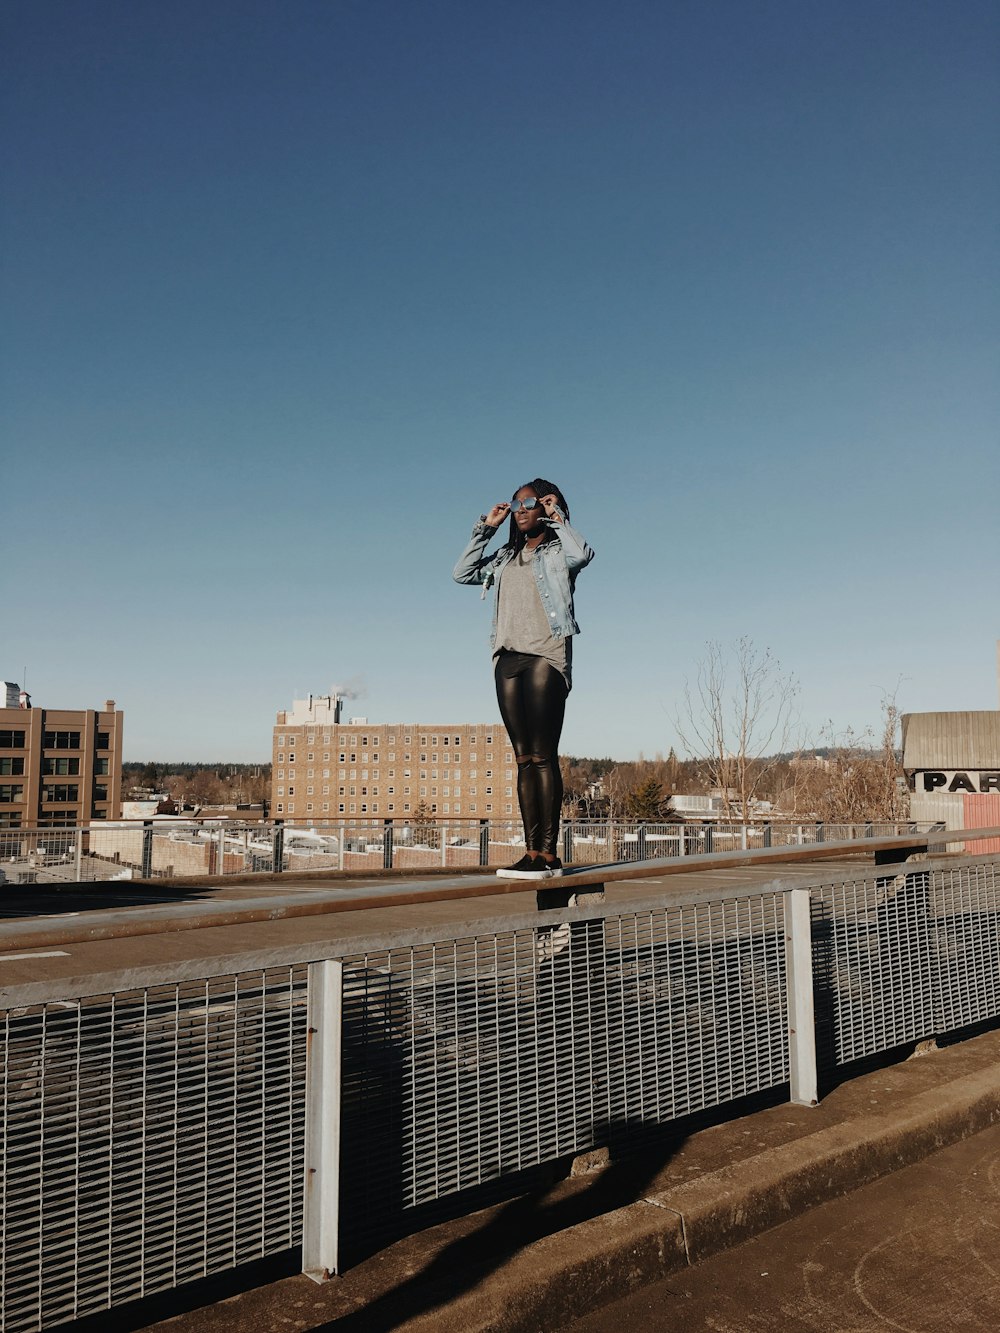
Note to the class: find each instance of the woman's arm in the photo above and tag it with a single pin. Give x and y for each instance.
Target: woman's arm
(575, 549)
(472, 559)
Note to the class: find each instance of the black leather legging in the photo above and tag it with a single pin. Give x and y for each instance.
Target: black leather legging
(532, 698)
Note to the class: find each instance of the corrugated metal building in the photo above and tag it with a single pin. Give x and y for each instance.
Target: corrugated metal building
(952, 763)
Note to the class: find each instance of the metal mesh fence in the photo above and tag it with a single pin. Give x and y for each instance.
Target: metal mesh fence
(965, 903)
(149, 1138)
(474, 1059)
(872, 966)
(901, 957)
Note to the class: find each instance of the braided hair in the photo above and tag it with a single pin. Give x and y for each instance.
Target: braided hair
(540, 486)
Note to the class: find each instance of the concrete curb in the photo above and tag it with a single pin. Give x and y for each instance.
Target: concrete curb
(566, 1275)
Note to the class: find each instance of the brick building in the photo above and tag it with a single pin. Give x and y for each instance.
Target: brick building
(324, 768)
(58, 766)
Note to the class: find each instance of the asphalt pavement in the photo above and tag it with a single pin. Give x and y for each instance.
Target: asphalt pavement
(915, 1252)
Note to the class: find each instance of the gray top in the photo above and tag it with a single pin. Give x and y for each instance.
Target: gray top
(522, 625)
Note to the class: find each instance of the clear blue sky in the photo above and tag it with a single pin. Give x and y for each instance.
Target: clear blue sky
(293, 291)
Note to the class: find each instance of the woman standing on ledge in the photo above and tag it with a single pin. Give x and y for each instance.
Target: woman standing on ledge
(533, 623)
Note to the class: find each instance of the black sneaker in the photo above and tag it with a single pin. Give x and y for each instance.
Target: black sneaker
(529, 867)
(555, 868)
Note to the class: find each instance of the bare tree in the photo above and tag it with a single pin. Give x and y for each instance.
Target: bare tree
(738, 719)
(862, 779)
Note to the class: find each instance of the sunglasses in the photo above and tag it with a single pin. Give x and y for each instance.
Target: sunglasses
(529, 503)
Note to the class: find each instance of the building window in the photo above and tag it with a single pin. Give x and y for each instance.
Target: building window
(12, 766)
(340, 807)
(406, 805)
(11, 740)
(102, 740)
(10, 793)
(100, 793)
(65, 767)
(291, 758)
(279, 807)
(60, 740)
(291, 791)
(489, 806)
(291, 807)
(392, 805)
(101, 766)
(61, 792)
(472, 808)
(309, 805)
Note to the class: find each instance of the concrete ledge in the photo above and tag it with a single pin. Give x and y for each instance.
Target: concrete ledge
(564, 1276)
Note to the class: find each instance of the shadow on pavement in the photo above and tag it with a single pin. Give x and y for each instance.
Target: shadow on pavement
(468, 1260)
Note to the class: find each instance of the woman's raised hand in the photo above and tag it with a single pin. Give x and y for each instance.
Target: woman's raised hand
(497, 514)
(548, 503)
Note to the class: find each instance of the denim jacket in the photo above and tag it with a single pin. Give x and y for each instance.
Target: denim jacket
(556, 567)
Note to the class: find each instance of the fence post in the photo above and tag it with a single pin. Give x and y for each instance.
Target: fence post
(484, 842)
(78, 857)
(799, 987)
(146, 869)
(567, 843)
(708, 838)
(220, 869)
(819, 831)
(444, 844)
(640, 842)
(387, 845)
(767, 833)
(278, 847)
(321, 1207)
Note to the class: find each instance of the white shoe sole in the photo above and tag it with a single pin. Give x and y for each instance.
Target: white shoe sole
(528, 874)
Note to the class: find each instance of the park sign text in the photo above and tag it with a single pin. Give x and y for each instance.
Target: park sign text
(937, 780)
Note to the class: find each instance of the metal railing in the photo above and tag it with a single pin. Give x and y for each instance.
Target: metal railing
(168, 1125)
(153, 849)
